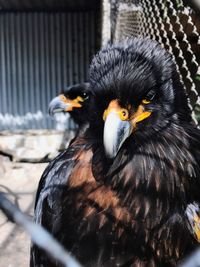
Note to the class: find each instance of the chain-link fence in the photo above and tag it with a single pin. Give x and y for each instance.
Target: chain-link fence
(175, 25)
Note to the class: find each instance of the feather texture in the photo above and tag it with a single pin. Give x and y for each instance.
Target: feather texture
(129, 210)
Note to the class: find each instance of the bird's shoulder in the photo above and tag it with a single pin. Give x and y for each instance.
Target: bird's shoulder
(54, 180)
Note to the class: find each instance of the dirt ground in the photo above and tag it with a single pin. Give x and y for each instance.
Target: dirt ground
(21, 180)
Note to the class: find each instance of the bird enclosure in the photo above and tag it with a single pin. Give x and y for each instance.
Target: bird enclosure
(41, 52)
(175, 25)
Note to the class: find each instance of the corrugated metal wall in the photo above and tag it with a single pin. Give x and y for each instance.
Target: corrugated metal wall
(39, 54)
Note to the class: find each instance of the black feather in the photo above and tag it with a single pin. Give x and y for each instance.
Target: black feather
(128, 211)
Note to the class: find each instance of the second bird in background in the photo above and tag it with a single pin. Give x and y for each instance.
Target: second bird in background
(73, 100)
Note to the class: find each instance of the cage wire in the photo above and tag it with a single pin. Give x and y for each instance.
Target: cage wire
(175, 25)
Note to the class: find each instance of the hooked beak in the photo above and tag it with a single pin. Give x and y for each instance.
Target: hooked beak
(64, 104)
(116, 131)
(119, 125)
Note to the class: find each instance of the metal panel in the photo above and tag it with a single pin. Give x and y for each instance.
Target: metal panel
(50, 5)
(40, 53)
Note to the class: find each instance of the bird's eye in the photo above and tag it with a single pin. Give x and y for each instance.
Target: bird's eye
(124, 114)
(85, 96)
(149, 97)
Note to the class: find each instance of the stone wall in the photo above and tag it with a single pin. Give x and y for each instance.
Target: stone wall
(34, 145)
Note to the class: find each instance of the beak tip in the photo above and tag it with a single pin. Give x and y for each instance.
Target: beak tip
(110, 153)
(51, 113)
(56, 105)
(50, 110)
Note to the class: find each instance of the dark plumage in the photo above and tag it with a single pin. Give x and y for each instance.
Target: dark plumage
(75, 100)
(118, 195)
(193, 219)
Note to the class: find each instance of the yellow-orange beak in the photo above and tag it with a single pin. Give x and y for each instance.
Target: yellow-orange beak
(119, 124)
(64, 104)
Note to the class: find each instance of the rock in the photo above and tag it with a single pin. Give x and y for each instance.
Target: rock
(3, 161)
(34, 146)
(23, 154)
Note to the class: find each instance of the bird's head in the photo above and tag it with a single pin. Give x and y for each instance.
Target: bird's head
(137, 92)
(75, 100)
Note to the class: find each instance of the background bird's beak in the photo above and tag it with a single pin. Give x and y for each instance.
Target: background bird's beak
(116, 131)
(61, 103)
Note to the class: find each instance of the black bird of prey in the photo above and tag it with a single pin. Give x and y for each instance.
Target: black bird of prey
(118, 195)
(75, 100)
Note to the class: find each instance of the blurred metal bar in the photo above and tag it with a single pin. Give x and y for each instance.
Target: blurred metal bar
(7, 62)
(70, 36)
(25, 64)
(4, 97)
(46, 54)
(64, 49)
(38, 234)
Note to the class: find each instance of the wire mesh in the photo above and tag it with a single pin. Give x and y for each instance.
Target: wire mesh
(175, 26)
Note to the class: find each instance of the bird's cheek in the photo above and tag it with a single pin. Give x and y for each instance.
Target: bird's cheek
(74, 103)
(139, 116)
